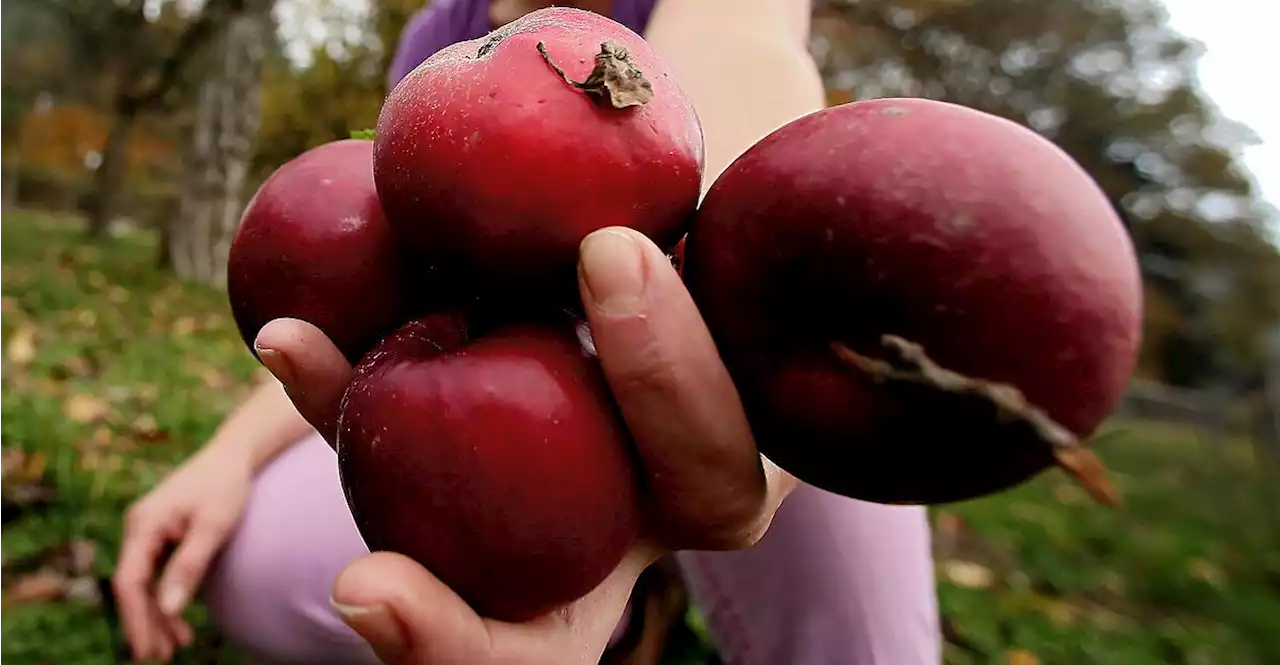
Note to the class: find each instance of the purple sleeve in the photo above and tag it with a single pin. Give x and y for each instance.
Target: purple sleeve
(440, 24)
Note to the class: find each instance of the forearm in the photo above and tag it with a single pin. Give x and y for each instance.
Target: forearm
(260, 428)
(744, 63)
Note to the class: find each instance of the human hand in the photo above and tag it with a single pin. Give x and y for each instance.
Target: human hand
(708, 487)
(193, 511)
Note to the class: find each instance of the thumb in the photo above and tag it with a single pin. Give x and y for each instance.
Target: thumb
(313, 371)
(407, 615)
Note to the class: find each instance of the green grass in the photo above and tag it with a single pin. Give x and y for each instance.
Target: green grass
(113, 372)
(1187, 571)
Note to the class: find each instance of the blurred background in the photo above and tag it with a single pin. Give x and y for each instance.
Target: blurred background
(134, 132)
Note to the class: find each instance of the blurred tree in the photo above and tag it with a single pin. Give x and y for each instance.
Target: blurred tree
(387, 19)
(1116, 88)
(327, 100)
(30, 62)
(136, 51)
(222, 146)
(333, 87)
(338, 91)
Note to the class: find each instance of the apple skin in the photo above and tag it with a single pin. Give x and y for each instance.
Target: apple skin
(957, 230)
(500, 464)
(484, 153)
(313, 244)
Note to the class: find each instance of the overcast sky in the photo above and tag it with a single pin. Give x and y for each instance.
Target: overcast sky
(1242, 49)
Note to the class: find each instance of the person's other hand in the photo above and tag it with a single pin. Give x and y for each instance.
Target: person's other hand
(708, 487)
(191, 513)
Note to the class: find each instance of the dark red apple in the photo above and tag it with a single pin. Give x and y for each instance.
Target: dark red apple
(919, 302)
(313, 244)
(505, 151)
(500, 464)
(677, 257)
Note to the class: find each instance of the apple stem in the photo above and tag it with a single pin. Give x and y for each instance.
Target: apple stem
(614, 79)
(914, 366)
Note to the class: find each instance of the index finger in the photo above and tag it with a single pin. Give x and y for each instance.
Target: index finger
(143, 542)
(710, 486)
(312, 370)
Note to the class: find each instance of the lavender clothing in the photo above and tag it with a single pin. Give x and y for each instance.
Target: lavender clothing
(445, 22)
(834, 582)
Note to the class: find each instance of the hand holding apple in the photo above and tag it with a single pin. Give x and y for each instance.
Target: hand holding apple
(712, 490)
(914, 303)
(707, 487)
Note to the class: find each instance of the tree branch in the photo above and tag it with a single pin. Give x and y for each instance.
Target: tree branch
(196, 34)
(72, 16)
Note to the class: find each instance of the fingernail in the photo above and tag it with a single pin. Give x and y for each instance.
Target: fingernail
(172, 599)
(276, 363)
(612, 266)
(376, 625)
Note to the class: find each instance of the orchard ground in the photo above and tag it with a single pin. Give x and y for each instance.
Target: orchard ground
(113, 372)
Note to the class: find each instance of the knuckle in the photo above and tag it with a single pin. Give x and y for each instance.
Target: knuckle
(124, 582)
(137, 517)
(220, 522)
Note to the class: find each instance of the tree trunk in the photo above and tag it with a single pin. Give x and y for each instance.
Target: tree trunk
(9, 178)
(222, 145)
(109, 176)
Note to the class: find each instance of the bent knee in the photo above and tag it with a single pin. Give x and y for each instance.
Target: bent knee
(268, 591)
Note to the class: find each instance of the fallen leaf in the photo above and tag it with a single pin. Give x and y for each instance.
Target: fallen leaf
(36, 465)
(1114, 583)
(184, 326)
(83, 587)
(24, 486)
(87, 318)
(41, 586)
(1059, 612)
(146, 430)
(215, 378)
(19, 466)
(101, 437)
(79, 556)
(947, 533)
(97, 280)
(950, 524)
(118, 295)
(74, 366)
(1021, 657)
(968, 575)
(147, 394)
(22, 346)
(1108, 620)
(11, 460)
(1205, 571)
(84, 408)
(62, 571)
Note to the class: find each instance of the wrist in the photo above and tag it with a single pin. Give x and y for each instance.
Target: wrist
(231, 455)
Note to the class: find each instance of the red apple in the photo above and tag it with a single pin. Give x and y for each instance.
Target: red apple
(500, 464)
(505, 151)
(677, 257)
(313, 244)
(919, 302)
